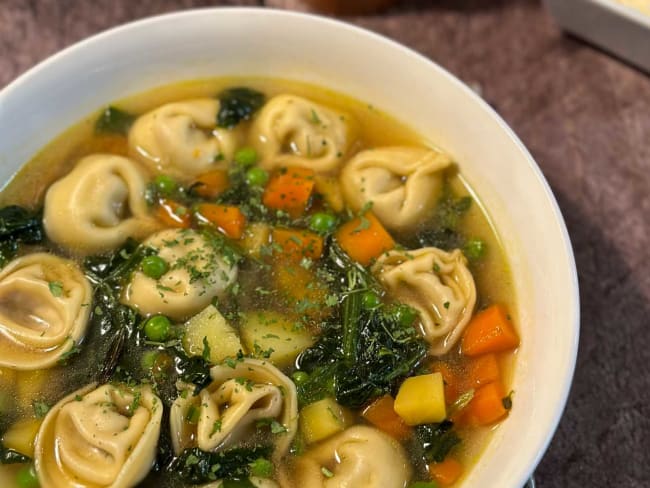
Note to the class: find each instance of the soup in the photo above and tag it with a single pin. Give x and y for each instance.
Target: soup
(248, 283)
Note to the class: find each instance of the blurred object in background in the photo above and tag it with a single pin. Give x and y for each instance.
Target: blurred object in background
(618, 26)
(333, 7)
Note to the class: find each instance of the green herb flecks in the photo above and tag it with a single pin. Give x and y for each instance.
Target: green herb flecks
(40, 409)
(56, 288)
(196, 467)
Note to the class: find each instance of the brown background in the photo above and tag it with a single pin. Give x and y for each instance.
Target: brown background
(586, 119)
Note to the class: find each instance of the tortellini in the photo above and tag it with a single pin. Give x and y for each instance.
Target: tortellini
(294, 131)
(403, 183)
(437, 284)
(181, 139)
(102, 436)
(230, 406)
(44, 308)
(198, 272)
(359, 457)
(98, 205)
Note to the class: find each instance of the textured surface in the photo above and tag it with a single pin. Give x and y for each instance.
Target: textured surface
(586, 119)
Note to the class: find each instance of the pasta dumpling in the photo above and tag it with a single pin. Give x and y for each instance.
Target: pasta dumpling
(437, 284)
(181, 139)
(44, 308)
(98, 205)
(229, 407)
(102, 436)
(294, 131)
(402, 183)
(359, 457)
(198, 271)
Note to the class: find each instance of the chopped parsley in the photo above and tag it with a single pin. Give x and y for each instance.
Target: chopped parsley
(40, 408)
(56, 288)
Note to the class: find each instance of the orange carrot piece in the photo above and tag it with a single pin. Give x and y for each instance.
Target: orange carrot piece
(452, 381)
(228, 219)
(172, 213)
(446, 472)
(486, 406)
(298, 244)
(289, 190)
(381, 414)
(364, 238)
(483, 370)
(211, 184)
(489, 331)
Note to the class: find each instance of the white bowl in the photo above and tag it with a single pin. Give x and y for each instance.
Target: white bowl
(206, 43)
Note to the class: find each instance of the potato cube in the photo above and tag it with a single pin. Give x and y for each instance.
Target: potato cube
(211, 326)
(21, 435)
(273, 336)
(421, 399)
(256, 235)
(323, 419)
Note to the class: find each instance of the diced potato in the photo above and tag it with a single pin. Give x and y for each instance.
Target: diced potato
(222, 338)
(323, 419)
(274, 336)
(21, 435)
(329, 187)
(255, 236)
(29, 385)
(421, 399)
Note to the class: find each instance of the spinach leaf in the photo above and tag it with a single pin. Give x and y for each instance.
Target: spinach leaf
(362, 354)
(435, 441)
(18, 225)
(109, 274)
(114, 121)
(9, 456)
(195, 370)
(196, 466)
(442, 232)
(238, 483)
(237, 104)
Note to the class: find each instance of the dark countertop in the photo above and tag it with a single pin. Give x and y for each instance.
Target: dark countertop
(586, 119)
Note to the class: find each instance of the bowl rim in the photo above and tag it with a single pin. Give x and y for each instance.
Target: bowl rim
(540, 447)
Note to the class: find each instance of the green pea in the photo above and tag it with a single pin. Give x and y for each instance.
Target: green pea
(370, 300)
(246, 156)
(157, 328)
(165, 184)
(405, 315)
(256, 176)
(26, 477)
(322, 222)
(300, 377)
(475, 249)
(154, 266)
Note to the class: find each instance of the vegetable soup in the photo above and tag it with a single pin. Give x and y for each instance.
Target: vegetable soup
(248, 282)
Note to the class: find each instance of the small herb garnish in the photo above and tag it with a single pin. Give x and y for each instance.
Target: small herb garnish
(40, 408)
(56, 288)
